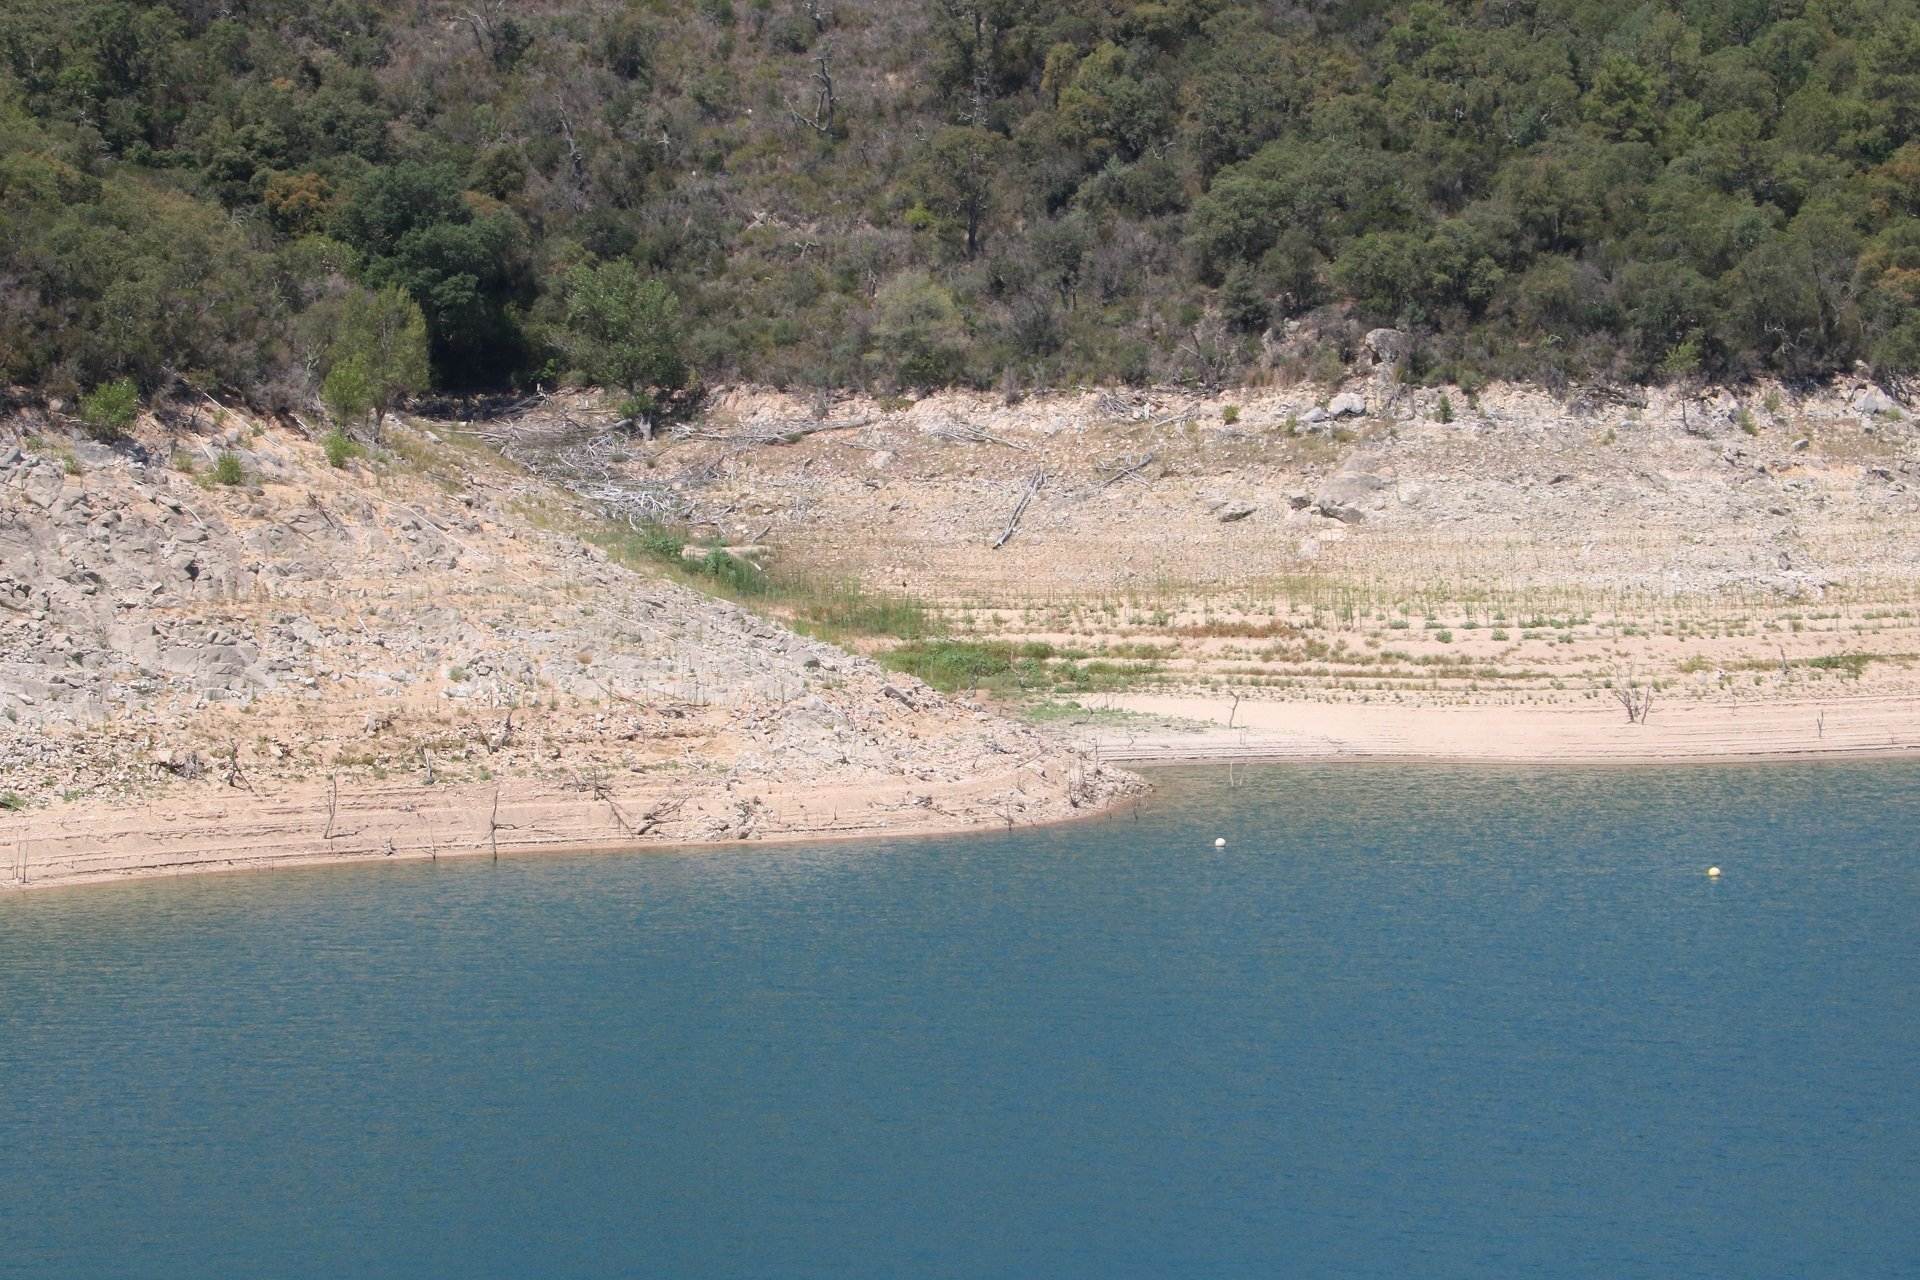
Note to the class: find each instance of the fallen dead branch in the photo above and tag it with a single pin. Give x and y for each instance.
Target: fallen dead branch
(965, 433)
(1020, 509)
(1131, 469)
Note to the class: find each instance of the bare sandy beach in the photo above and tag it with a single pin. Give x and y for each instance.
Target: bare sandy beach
(1198, 729)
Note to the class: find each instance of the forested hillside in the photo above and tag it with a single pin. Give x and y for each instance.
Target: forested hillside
(257, 195)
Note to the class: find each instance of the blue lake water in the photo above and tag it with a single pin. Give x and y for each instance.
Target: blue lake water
(1426, 1022)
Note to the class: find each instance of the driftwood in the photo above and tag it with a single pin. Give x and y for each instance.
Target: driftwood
(1132, 469)
(965, 433)
(772, 434)
(1020, 509)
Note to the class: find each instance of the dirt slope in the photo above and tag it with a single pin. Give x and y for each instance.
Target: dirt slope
(419, 655)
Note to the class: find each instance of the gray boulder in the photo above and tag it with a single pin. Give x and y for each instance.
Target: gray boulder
(1348, 496)
(1388, 347)
(42, 484)
(1347, 405)
(1875, 401)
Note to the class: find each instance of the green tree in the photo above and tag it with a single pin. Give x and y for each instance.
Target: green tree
(958, 174)
(622, 329)
(918, 333)
(378, 355)
(415, 229)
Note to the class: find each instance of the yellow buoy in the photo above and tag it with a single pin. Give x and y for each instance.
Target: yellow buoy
(1713, 873)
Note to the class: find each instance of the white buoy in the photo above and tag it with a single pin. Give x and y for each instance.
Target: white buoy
(1713, 873)
(1219, 842)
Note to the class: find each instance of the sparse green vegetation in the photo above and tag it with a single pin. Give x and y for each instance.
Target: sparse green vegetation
(952, 665)
(340, 448)
(227, 469)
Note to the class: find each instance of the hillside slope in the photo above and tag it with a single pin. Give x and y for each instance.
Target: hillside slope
(906, 193)
(419, 655)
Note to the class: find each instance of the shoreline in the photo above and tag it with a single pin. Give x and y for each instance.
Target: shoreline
(215, 832)
(1195, 730)
(193, 835)
(1173, 760)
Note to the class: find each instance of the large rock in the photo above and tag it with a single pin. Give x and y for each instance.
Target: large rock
(1873, 400)
(1348, 404)
(1388, 347)
(1348, 496)
(42, 484)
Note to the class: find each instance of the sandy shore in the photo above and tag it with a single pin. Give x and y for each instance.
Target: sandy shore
(224, 829)
(1679, 731)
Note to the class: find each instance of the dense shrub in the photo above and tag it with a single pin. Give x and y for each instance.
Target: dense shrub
(917, 194)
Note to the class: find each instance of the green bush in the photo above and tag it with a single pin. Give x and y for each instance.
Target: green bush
(109, 409)
(227, 469)
(340, 447)
(731, 573)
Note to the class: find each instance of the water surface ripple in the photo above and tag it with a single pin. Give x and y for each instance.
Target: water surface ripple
(1420, 1021)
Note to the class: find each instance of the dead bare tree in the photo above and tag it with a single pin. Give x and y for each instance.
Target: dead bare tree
(495, 742)
(820, 120)
(495, 826)
(967, 433)
(235, 777)
(498, 37)
(576, 160)
(658, 814)
(481, 25)
(1210, 353)
(1635, 699)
